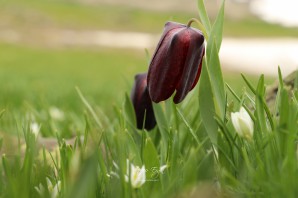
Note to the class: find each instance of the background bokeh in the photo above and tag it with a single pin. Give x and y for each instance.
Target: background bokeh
(49, 47)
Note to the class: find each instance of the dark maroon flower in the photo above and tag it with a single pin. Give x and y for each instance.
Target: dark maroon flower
(142, 103)
(176, 63)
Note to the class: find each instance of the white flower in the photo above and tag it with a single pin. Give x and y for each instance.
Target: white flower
(40, 189)
(34, 128)
(56, 114)
(162, 168)
(116, 166)
(243, 123)
(53, 190)
(113, 174)
(137, 175)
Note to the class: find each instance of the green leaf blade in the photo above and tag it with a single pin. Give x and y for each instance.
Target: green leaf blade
(206, 103)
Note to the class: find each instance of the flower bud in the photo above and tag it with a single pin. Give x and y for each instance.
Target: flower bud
(177, 62)
(142, 103)
(243, 123)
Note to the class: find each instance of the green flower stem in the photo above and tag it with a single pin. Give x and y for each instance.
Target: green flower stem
(201, 26)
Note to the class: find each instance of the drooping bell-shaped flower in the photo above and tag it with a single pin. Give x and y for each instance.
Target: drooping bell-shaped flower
(177, 62)
(243, 123)
(142, 103)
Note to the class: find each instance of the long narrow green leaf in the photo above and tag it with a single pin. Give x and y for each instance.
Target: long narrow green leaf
(161, 121)
(268, 113)
(151, 162)
(151, 159)
(203, 16)
(233, 92)
(249, 84)
(226, 133)
(150, 154)
(85, 185)
(132, 145)
(216, 32)
(260, 113)
(284, 118)
(263, 101)
(283, 108)
(129, 111)
(206, 103)
(217, 81)
(226, 156)
(90, 109)
(189, 127)
(280, 79)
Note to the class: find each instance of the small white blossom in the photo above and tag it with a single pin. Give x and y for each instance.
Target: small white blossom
(53, 189)
(116, 166)
(40, 189)
(243, 123)
(35, 128)
(162, 168)
(137, 175)
(114, 174)
(56, 114)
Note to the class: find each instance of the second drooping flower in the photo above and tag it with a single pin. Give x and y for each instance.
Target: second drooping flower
(177, 62)
(142, 103)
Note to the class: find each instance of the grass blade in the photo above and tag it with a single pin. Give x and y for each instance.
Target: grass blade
(206, 103)
(189, 127)
(90, 109)
(217, 82)
(249, 84)
(217, 29)
(203, 16)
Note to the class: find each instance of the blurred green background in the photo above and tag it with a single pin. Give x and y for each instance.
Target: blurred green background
(38, 73)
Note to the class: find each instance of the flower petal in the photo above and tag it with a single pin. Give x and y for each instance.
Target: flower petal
(165, 68)
(191, 65)
(235, 122)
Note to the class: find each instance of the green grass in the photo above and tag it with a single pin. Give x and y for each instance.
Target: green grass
(37, 73)
(34, 77)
